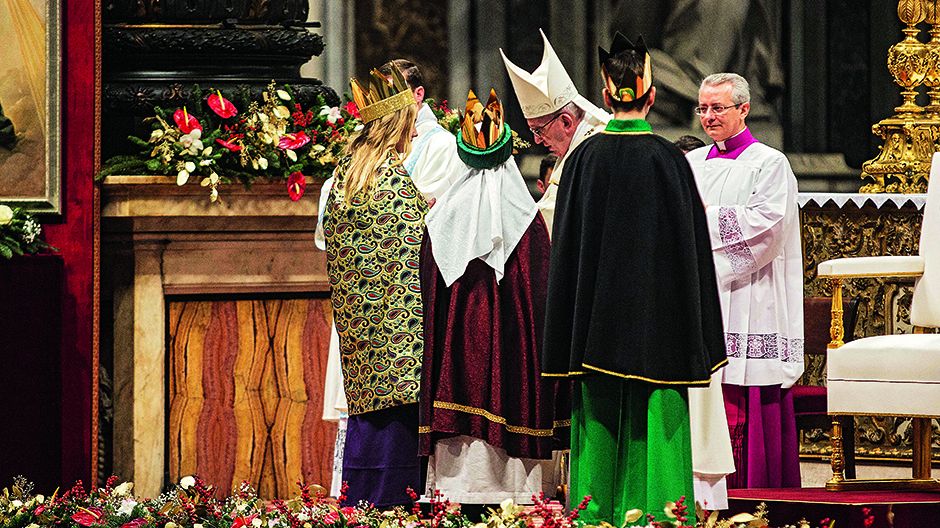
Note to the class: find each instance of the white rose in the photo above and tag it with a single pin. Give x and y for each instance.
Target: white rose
(6, 215)
(122, 489)
(187, 482)
(16, 503)
(127, 507)
(256, 522)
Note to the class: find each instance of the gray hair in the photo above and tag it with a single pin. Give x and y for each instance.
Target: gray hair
(576, 111)
(740, 90)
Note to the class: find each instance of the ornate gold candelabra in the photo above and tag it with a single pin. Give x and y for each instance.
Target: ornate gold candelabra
(912, 134)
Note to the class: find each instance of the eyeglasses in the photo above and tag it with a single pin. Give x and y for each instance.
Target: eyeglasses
(537, 131)
(716, 109)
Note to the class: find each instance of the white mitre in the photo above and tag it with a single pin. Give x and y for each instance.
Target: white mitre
(548, 88)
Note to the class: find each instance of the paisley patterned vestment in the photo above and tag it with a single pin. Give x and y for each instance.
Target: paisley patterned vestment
(373, 246)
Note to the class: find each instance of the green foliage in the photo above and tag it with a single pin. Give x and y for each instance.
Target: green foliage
(20, 233)
(268, 139)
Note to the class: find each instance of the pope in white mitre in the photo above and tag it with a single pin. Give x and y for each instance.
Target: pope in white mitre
(557, 115)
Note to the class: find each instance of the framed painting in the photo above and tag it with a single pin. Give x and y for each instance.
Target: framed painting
(30, 113)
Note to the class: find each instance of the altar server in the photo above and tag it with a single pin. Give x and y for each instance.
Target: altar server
(750, 194)
(633, 314)
(433, 162)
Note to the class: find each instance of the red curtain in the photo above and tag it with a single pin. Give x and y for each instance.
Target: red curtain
(74, 234)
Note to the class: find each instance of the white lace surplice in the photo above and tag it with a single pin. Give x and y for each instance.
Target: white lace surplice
(753, 218)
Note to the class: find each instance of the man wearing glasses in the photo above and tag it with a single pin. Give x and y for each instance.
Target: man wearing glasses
(557, 115)
(750, 194)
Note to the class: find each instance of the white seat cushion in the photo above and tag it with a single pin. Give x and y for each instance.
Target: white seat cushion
(885, 266)
(893, 375)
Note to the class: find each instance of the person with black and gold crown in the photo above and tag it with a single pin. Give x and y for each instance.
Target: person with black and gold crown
(488, 419)
(373, 227)
(633, 315)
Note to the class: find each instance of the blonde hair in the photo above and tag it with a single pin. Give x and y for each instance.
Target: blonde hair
(371, 146)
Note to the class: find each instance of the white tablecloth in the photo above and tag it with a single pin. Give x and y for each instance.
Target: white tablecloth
(859, 199)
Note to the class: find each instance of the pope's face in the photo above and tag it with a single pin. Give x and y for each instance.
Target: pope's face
(721, 125)
(554, 131)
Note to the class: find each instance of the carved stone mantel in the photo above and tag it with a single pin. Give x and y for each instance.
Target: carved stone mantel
(159, 239)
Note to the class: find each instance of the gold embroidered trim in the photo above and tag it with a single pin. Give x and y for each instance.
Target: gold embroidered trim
(494, 418)
(424, 429)
(387, 106)
(650, 380)
(563, 374)
(561, 423)
(719, 365)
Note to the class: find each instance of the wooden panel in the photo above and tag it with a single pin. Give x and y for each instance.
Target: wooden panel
(246, 393)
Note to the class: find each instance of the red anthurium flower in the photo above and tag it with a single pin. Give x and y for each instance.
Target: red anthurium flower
(293, 141)
(88, 516)
(352, 109)
(185, 121)
(221, 106)
(296, 185)
(243, 522)
(229, 144)
(136, 523)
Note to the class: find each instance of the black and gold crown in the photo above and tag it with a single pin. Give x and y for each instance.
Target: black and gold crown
(630, 86)
(484, 140)
(386, 94)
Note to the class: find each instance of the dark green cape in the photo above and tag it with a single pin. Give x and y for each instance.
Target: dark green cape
(631, 290)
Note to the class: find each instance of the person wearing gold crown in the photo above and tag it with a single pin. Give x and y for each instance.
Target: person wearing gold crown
(557, 115)
(633, 314)
(373, 227)
(488, 419)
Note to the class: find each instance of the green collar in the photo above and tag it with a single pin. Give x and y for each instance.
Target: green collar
(628, 126)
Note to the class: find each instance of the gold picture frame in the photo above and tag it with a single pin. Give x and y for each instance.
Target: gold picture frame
(30, 105)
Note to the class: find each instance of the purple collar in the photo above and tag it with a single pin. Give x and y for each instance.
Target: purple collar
(732, 147)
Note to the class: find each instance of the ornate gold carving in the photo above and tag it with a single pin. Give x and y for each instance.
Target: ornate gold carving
(837, 460)
(932, 77)
(911, 135)
(831, 232)
(836, 332)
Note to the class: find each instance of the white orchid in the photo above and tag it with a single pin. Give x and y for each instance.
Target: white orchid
(331, 113)
(192, 142)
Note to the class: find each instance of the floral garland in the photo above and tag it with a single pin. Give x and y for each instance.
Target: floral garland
(19, 233)
(214, 143)
(192, 504)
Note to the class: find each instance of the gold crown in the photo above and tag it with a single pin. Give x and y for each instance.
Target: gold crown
(385, 95)
(489, 119)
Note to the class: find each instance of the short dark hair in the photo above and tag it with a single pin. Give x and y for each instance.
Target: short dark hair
(617, 66)
(408, 69)
(689, 143)
(548, 162)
